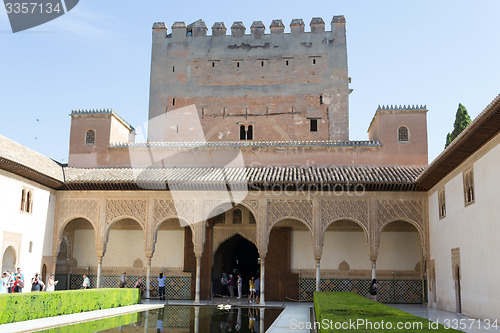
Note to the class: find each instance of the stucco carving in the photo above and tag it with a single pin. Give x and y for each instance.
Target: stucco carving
(164, 209)
(87, 208)
(136, 208)
(279, 209)
(337, 209)
(400, 209)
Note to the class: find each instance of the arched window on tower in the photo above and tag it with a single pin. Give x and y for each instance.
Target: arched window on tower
(90, 137)
(246, 132)
(243, 132)
(403, 134)
(250, 132)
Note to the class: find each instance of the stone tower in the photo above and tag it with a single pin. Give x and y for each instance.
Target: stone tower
(258, 86)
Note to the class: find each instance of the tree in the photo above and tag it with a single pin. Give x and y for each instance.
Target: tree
(462, 120)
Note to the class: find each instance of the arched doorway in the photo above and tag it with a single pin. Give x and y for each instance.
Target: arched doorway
(9, 260)
(236, 255)
(76, 254)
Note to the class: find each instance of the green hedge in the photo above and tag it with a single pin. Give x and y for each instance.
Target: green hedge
(97, 325)
(34, 305)
(345, 308)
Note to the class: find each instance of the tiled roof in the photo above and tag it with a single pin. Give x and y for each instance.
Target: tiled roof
(375, 177)
(26, 162)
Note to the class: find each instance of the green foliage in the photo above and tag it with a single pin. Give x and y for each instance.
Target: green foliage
(27, 306)
(336, 307)
(462, 120)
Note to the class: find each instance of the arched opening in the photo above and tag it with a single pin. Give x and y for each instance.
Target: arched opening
(124, 253)
(77, 255)
(399, 264)
(168, 258)
(345, 263)
(9, 260)
(90, 137)
(403, 134)
(236, 255)
(289, 261)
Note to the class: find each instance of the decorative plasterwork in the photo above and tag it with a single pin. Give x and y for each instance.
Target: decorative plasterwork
(332, 210)
(412, 210)
(164, 209)
(74, 208)
(293, 209)
(136, 208)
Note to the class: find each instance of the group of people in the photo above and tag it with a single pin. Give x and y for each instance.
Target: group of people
(14, 282)
(228, 283)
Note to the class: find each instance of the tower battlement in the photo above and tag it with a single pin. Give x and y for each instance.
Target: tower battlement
(238, 29)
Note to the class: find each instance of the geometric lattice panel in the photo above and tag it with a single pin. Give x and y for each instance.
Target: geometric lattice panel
(390, 291)
(177, 316)
(176, 287)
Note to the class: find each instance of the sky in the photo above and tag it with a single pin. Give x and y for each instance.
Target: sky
(98, 55)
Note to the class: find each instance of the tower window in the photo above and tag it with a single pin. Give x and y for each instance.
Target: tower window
(403, 134)
(26, 201)
(320, 99)
(173, 101)
(286, 62)
(238, 64)
(262, 63)
(442, 204)
(246, 132)
(314, 61)
(213, 63)
(90, 137)
(469, 194)
(173, 68)
(313, 125)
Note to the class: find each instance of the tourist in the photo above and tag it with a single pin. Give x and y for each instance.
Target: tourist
(4, 285)
(257, 290)
(373, 290)
(12, 279)
(37, 284)
(51, 284)
(86, 282)
(251, 296)
(230, 285)
(240, 286)
(20, 285)
(238, 320)
(138, 284)
(123, 280)
(161, 286)
(251, 319)
(223, 281)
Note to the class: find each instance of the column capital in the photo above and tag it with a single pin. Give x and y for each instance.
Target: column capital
(373, 257)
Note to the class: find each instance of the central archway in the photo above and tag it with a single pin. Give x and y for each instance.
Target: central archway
(237, 255)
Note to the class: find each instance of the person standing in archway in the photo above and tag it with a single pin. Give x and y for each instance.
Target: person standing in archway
(161, 286)
(240, 286)
(251, 297)
(224, 281)
(230, 285)
(373, 290)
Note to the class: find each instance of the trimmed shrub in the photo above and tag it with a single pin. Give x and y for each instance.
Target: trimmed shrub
(97, 325)
(343, 307)
(27, 306)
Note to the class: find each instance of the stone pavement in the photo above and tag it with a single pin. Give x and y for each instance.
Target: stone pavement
(289, 319)
(75, 318)
(442, 317)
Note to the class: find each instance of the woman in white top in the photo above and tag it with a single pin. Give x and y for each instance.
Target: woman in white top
(4, 284)
(51, 284)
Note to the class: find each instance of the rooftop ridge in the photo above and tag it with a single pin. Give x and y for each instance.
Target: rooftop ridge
(102, 112)
(305, 143)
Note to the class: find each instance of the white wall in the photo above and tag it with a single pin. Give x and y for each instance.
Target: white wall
(169, 249)
(84, 248)
(399, 251)
(349, 246)
(35, 227)
(474, 229)
(123, 248)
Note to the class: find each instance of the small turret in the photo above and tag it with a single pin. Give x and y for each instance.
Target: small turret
(257, 29)
(199, 28)
(277, 27)
(297, 27)
(317, 25)
(179, 30)
(238, 29)
(218, 29)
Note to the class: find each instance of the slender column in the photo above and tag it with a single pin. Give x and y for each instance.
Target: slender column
(148, 276)
(198, 272)
(262, 279)
(99, 268)
(318, 279)
(196, 319)
(374, 269)
(261, 319)
(146, 321)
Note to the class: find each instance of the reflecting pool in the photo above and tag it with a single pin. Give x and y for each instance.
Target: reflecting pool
(183, 319)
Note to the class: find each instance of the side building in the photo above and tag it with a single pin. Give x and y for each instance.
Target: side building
(464, 221)
(28, 183)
